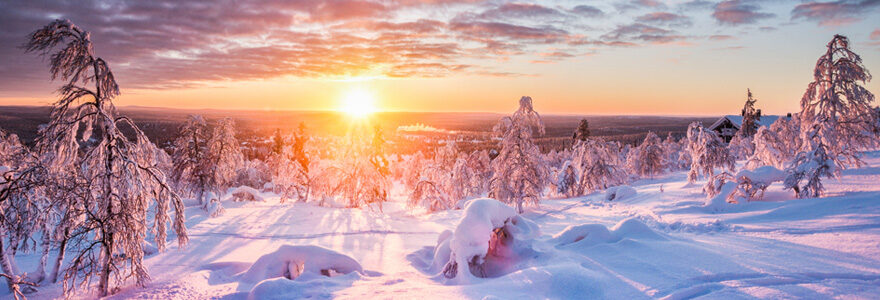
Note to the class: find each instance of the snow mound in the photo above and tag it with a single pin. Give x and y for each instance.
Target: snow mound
(619, 192)
(488, 240)
(765, 175)
(292, 262)
(246, 193)
(319, 287)
(592, 234)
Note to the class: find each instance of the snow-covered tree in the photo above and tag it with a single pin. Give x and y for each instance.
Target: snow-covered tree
(291, 177)
(649, 159)
(751, 116)
(359, 174)
(519, 172)
(597, 166)
(582, 132)
(205, 162)
(673, 150)
(707, 152)
(566, 181)
(23, 198)
(192, 167)
(741, 146)
(837, 120)
(84, 134)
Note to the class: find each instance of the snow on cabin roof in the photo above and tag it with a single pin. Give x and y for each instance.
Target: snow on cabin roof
(737, 121)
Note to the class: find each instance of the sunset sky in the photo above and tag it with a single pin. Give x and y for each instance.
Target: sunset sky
(572, 57)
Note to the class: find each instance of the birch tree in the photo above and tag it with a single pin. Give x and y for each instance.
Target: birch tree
(520, 173)
(84, 133)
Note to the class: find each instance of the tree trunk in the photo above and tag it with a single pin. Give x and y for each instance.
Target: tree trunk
(106, 262)
(44, 258)
(60, 260)
(5, 263)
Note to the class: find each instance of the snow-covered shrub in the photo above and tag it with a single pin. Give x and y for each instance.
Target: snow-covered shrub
(596, 163)
(245, 193)
(806, 171)
(254, 173)
(751, 184)
(293, 261)
(520, 174)
(741, 146)
(85, 134)
(648, 159)
(746, 185)
(359, 173)
(673, 150)
(566, 180)
(707, 152)
(488, 236)
(769, 149)
(428, 195)
(291, 161)
(837, 120)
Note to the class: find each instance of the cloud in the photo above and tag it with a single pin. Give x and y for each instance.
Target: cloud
(665, 18)
(875, 35)
(738, 12)
(520, 10)
(721, 37)
(587, 11)
(639, 4)
(834, 13)
(642, 32)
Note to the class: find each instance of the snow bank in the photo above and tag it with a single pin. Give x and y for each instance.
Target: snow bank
(291, 262)
(488, 231)
(245, 193)
(719, 202)
(619, 192)
(314, 287)
(593, 234)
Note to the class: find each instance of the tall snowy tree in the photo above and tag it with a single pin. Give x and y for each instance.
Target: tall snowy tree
(837, 120)
(84, 134)
(520, 173)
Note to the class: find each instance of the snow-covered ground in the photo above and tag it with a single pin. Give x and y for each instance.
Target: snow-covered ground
(661, 242)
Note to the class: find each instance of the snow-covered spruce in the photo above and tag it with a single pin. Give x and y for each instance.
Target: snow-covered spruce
(489, 239)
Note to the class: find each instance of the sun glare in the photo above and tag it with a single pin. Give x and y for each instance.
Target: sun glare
(358, 103)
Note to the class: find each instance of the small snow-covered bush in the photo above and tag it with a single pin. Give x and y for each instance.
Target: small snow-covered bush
(291, 261)
(488, 232)
(246, 193)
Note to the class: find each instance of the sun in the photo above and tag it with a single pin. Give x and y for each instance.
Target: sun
(358, 103)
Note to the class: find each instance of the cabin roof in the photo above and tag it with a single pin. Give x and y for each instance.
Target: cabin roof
(737, 121)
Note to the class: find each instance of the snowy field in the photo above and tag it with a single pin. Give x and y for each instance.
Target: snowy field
(658, 243)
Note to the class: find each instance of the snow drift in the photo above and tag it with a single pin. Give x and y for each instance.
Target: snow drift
(592, 234)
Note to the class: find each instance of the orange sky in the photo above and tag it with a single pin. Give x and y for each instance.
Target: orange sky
(626, 57)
